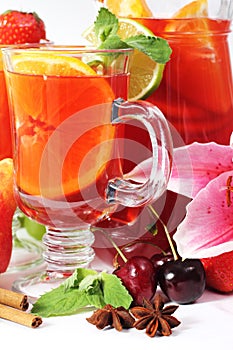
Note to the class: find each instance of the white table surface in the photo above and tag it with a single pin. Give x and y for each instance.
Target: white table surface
(206, 324)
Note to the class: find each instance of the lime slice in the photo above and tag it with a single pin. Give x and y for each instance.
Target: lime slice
(145, 74)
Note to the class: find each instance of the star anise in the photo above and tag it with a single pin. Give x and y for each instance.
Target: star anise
(118, 318)
(154, 317)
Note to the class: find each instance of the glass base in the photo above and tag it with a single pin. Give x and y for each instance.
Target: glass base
(26, 250)
(37, 284)
(26, 253)
(63, 252)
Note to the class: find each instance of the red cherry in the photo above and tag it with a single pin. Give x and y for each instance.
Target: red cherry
(139, 277)
(159, 259)
(182, 281)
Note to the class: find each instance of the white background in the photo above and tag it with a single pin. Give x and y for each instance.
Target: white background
(205, 324)
(64, 20)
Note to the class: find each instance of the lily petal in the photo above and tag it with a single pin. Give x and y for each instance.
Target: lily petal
(207, 229)
(194, 166)
(197, 164)
(140, 172)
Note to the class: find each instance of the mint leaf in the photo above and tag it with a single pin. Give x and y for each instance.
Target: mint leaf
(113, 42)
(156, 48)
(106, 27)
(77, 276)
(95, 295)
(114, 291)
(59, 302)
(85, 288)
(106, 24)
(89, 283)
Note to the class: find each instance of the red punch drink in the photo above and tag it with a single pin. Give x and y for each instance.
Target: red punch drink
(196, 92)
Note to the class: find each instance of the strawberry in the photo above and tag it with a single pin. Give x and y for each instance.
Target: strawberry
(219, 272)
(21, 27)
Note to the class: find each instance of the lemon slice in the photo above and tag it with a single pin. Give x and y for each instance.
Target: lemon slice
(145, 74)
(32, 62)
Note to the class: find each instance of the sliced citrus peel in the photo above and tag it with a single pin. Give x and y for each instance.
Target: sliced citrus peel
(38, 124)
(196, 8)
(50, 64)
(197, 12)
(128, 8)
(145, 74)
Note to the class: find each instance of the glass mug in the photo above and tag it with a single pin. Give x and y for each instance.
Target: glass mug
(26, 252)
(68, 147)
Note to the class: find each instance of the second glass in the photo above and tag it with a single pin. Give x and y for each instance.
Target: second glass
(196, 92)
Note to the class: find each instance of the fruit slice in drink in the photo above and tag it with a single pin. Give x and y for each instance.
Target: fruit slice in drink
(128, 8)
(43, 104)
(145, 74)
(197, 8)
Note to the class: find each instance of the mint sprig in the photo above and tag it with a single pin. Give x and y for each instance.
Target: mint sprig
(84, 288)
(106, 27)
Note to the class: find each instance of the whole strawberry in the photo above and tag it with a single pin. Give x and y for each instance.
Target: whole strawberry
(219, 272)
(21, 27)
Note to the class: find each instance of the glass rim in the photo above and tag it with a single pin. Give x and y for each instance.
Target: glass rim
(43, 42)
(59, 48)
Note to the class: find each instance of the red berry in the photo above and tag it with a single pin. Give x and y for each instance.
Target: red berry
(21, 27)
(182, 281)
(139, 276)
(219, 272)
(159, 259)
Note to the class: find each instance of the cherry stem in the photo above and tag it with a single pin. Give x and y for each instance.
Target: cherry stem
(175, 256)
(123, 257)
(119, 251)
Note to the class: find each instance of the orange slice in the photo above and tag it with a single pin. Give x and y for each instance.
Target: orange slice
(195, 19)
(197, 8)
(128, 8)
(50, 64)
(61, 149)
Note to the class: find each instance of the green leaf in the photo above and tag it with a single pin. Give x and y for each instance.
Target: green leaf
(89, 283)
(78, 275)
(113, 42)
(95, 294)
(156, 48)
(84, 288)
(106, 27)
(59, 302)
(106, 24)
(114, 291)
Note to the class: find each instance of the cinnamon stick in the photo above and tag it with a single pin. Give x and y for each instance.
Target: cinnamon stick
(19, 316)
(14, 299)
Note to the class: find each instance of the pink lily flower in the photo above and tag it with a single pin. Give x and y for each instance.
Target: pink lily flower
(202, 172)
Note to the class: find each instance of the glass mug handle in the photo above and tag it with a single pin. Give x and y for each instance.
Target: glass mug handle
(132, 193)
